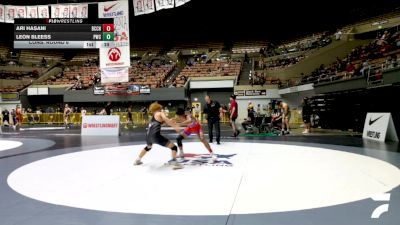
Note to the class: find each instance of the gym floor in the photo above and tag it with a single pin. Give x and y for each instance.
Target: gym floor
(329, 178)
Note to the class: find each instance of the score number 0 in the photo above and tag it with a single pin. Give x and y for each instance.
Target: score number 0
(108, 32)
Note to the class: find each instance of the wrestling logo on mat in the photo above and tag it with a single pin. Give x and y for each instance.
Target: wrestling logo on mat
(204, 160)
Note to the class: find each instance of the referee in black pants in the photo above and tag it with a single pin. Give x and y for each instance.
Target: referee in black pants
(212, 109)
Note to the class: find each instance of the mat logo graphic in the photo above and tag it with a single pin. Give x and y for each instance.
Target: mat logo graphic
(203, 160)
(385, 197)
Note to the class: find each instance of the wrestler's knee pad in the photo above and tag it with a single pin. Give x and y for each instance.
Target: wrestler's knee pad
(174, 148)
(179, 140)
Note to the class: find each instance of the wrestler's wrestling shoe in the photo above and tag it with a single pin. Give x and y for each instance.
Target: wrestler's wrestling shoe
(181, 155)
(137, 162)
(175, 164)
(213, 158)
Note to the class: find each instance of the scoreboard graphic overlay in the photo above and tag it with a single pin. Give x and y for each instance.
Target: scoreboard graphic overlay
(63, 33)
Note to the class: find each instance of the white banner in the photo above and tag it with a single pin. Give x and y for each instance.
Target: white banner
(31, 12)
(114, 75)
(9, 13)
(21, 12)
(2, 13)
(379, 127)
(180, 2)
(119, 10)
(118, 56)
(149, 6)
(143, 7)
(43, 11)
(60, 11)
(78, 11)
(164, 4)
(100, 126)
(114, 57)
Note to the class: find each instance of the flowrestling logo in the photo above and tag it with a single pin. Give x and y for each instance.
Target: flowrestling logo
(204, 160)
(99, 125)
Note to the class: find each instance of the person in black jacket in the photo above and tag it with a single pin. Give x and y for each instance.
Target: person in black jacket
(307, 111)
(108, 108)
(212, 109)
(6, 117)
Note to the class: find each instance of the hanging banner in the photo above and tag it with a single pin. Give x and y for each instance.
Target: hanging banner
(138, 7)
(114, 57)
(32, 12)
(78, 11)
(180, 2)
(119, 10)
(149, 6)
(9, 13)
(21, 12)
(55, 11)
(60, 11)
(114, 75)
(143, 7)
(164, 4)
(1, 13)
(43, 11)
(119, 55)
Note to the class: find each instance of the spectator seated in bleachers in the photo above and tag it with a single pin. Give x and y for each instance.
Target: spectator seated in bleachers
(281, 62)
(259, 78)
(16, 79)
(77, 77)
(380, 54)
(153, 75)
(305, 44)
(18, 75)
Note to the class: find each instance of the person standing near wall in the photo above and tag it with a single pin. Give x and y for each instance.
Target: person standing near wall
(67, 112)
(6, 117)
(286, 114)
(14, 118)
(306, 112)
(233, 114)
(18, 111)
(108, 108)
(212, 110)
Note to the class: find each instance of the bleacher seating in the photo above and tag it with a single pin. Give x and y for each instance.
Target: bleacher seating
(214, 69)
(79, 77)
(215, 45)
(242, 47)
(83, 56)
(361, 61)
(85, 77)
(390, 15)
(37, 55)
(259, 78)
(4, 50)
(142, 48)
(13, 79)
(151, 75)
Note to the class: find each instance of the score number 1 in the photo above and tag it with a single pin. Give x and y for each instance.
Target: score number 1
(108, 32)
